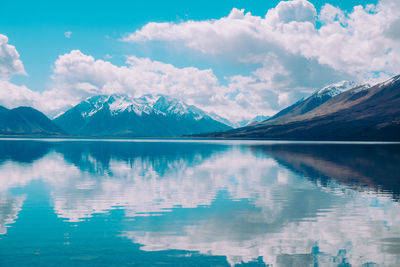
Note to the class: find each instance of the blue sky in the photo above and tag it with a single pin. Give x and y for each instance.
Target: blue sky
(37, 29)
(224, 59)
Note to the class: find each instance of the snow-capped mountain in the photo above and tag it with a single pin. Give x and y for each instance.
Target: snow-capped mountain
(335, 89)
(361, 113)
(146, 104)
(148, 115)
(316, 99)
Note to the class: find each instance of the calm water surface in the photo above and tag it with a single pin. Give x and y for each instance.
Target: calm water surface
(113, 203)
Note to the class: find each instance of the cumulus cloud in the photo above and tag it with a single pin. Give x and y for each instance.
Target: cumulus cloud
(288, 11)
(362, 43)
(329, 14)
(10, 64)
(82, 76)
(51, 101)
(14, 95)
(138, 76)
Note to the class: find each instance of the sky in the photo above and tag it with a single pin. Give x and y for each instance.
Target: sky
(236, 58)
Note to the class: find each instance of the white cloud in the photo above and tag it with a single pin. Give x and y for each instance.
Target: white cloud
(77, 71)
(14, 95)
(50, 102)
(68, 34)
(329, 14)
(362, 43)
(81, 76)
(289, 11)
(10, 64)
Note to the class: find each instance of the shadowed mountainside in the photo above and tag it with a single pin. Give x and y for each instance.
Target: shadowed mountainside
(26, 121)
(147, 116)
(303, 106)
(361, 113)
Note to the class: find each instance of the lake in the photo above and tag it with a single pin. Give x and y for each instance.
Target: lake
(198, 203)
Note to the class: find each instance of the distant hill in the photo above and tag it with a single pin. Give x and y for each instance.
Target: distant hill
(147, 116)
(26, 121)
(360, 113)
(242, 123)
(259, 118)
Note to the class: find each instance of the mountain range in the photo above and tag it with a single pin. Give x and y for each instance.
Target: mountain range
(119, 115)
(341, 111)
(333, 113)
(146, 116)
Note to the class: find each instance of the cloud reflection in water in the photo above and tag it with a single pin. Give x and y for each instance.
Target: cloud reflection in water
(282, 203)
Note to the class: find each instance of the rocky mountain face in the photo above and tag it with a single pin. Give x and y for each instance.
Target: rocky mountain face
(360, 113)
(26, 121)
(149, 115)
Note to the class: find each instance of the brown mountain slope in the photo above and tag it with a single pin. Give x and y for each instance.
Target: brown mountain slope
(357, 114)
(305, 106)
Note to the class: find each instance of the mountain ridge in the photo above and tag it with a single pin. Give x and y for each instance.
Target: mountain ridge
(361, 113)
(146, 116)
(316, 99)
(26, 121)
(335, 112)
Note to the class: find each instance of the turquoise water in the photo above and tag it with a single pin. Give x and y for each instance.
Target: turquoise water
(193, 203)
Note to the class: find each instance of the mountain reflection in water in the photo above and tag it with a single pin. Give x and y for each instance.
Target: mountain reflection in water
(202, 203)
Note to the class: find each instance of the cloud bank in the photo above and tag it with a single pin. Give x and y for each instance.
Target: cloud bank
(82, 76)
(360, 43)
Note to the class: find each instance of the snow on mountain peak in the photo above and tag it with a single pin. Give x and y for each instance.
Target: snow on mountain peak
(390, 81)
(335, 88)
(169, 105)
(120, 103)
(91, 105)
(159, 104)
